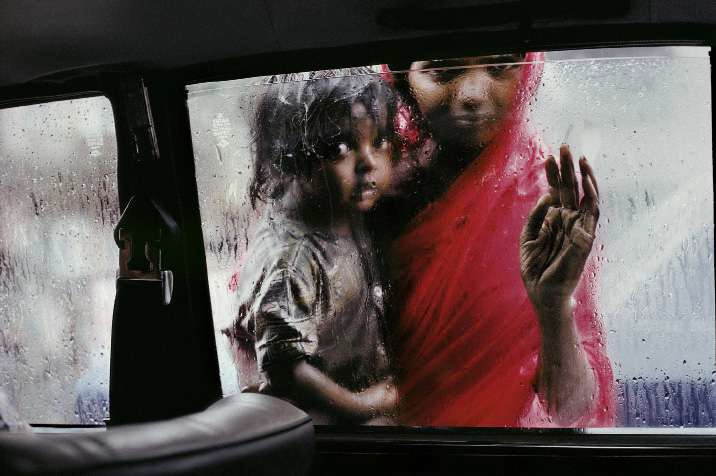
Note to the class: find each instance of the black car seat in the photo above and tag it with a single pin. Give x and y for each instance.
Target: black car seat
(248, 433)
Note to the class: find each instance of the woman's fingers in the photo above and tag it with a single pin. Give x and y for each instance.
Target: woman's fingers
(537, 215)
(568, 190)
(575, 255)
(591, 197)
(536, 218)
(590, 201)
(552, 171)
(584, 167)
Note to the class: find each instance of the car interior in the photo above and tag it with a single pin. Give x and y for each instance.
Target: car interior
(121, 126)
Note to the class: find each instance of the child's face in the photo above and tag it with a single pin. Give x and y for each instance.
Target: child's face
(359, 170)
(465, 103)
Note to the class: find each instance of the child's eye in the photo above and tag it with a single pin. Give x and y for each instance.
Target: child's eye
(342, 148)
(337, 150)
(380, 142)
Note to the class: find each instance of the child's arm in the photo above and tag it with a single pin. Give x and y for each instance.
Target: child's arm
(309, 387)
(286, 329)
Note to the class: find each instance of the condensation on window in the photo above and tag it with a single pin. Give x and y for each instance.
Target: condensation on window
(220, 115)
(642, 116)
(57, 258)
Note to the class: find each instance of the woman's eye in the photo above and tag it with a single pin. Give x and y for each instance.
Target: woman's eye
(444, 75)
(498, 69)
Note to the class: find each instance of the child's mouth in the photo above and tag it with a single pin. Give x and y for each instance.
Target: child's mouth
(366, 190)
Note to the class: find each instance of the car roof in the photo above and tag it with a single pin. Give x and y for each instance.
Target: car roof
(42, 40)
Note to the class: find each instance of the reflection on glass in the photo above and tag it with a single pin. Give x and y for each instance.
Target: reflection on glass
(411, 240)
(57, 258)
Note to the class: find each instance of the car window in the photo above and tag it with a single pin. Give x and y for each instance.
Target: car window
(57, 258)
(401, 231)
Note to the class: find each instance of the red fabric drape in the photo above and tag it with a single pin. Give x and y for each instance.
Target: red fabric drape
(467, 337)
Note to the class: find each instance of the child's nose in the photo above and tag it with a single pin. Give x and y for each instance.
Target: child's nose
(366, 160)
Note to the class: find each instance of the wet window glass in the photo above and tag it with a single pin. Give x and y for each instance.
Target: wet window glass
(519, 240)
(57, 258)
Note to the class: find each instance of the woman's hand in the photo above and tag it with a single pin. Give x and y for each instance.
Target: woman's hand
(554, 246)
(558, 235)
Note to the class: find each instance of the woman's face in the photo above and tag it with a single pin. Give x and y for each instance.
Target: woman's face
(464, 101)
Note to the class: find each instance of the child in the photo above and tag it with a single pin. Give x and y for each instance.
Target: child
(310, 295)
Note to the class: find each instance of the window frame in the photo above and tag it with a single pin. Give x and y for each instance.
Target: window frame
(132, 178)
(399, 448)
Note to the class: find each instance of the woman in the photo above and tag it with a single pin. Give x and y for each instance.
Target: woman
(491, 326)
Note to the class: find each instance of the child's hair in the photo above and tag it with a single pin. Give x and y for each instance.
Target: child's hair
(297, 123)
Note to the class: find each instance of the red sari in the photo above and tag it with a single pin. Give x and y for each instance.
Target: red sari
(467, 337)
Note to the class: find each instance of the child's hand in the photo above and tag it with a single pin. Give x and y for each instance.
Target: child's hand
(257, 387)
(310, 388)
(558, 235)
(252, 388)
(380, 398)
